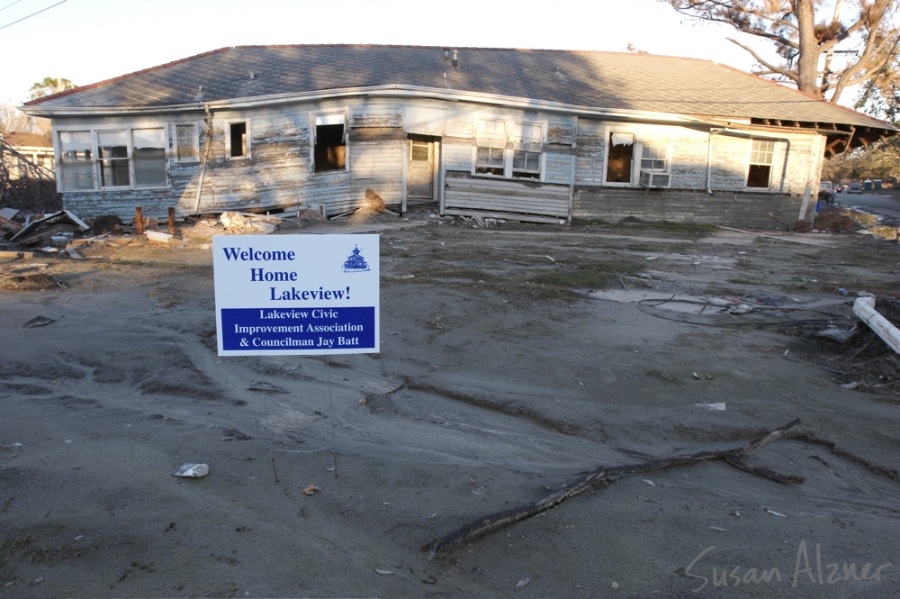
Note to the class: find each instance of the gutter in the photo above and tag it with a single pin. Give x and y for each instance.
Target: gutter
(387, 91)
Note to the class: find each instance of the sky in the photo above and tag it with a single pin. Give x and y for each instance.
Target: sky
(87, 41)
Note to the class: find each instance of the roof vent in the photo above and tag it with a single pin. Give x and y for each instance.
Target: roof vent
(446, 54)
(252, 74)
(456, 59)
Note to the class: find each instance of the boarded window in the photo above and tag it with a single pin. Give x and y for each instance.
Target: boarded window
(762, 153)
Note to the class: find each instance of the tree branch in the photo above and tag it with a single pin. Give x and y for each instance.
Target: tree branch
(602, 476)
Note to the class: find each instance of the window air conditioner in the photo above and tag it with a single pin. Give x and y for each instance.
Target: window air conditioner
(649, 179)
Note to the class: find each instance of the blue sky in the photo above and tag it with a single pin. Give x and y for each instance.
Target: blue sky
(88, 41)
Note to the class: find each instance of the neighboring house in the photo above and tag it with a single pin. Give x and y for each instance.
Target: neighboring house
(26, 154)
(535, 135)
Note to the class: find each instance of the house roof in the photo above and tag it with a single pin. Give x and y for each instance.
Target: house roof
(22, 139)
(593, 80)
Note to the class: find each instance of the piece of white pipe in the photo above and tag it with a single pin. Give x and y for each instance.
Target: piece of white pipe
(864, 307)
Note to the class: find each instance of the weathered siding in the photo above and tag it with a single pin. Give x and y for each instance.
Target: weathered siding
(278, 172)
(465, 194)
(667, 205)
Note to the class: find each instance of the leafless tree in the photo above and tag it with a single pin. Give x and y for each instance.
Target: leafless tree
(824, 48)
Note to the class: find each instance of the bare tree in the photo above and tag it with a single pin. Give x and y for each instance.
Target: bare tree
(824, 49)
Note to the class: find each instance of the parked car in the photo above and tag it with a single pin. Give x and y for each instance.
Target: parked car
(826, 191)
(839, 187)
(854, 187)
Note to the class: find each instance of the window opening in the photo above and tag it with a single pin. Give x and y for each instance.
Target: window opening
(186, 149)
(762, 153)
(76, 160)
(149, 157)
(419, 151)
(237, 136)
(619, 157)
(112, 150)
(527, 147)
(330, 151)
(654, 155)
(490, 139)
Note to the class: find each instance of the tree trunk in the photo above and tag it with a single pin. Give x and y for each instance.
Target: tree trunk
(808, 57)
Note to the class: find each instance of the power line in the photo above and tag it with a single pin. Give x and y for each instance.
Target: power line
(31, 15)
(10, 4)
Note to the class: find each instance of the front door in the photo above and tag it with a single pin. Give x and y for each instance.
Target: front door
(420, 167)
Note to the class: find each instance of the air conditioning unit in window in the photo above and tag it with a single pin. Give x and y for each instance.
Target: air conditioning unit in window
(650, 179)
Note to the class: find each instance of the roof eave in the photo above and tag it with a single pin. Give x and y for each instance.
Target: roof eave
(382, 91)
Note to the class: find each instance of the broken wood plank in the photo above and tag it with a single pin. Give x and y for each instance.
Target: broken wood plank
(599, 477)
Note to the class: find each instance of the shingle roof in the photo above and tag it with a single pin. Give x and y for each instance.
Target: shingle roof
(617, 81)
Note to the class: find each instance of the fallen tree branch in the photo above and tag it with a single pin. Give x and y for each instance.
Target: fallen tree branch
(603, 476)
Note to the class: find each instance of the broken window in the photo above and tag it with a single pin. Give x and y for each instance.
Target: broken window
(330, 153)
(619, 157)
(112, 150)
(76, 167)
(117, 158)
(527, 147)
(512, 152)
(762, 152)
(186, 143)
(149, 157)
(238, 143)
(490, 141)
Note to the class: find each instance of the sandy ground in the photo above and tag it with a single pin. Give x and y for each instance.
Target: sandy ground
(513, 360)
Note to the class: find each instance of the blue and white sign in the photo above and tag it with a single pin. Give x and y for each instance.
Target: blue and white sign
(296, 294)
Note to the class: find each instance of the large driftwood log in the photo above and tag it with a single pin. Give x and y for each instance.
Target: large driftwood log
(603, 476)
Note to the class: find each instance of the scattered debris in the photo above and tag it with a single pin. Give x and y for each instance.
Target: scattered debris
(774, 513)
(158, 236)
(311, 490)
(838, 334)
(376, 202)
(716, 407)
(890, 233)
(63, 220)
(383, 572)
(191, 470)
(864, 307)
(523, 582)
(38, 321)
(244, 222)
(266, 387)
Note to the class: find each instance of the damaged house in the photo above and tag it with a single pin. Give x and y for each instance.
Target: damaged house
(533, 135)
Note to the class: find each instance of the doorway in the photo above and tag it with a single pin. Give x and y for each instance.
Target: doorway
(423, 157)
